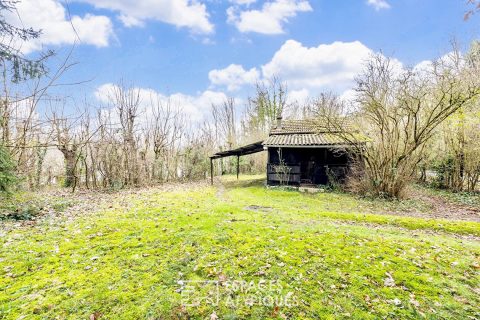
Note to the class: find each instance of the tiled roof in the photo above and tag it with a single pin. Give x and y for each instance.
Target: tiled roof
(297, 133)
(307, 132)
(307, 126)
(304, 139)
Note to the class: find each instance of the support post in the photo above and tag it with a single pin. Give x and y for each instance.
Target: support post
(211, 171)
(238, 165)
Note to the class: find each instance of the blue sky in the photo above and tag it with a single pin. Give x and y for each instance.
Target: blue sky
(186, 48)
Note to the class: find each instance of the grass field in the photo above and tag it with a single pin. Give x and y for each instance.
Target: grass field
(237, 251)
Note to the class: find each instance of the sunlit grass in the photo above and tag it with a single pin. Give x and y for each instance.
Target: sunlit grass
(328, 251)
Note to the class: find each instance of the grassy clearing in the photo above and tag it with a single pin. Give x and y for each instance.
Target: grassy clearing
(325, 255)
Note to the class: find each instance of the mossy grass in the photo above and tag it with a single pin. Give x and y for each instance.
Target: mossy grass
(330, 252)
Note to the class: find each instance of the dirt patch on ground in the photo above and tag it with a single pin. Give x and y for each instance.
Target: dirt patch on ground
(445, 209)
(441, 209)
(256, 208)
(450, 212)
(376, 226)
(221, 190)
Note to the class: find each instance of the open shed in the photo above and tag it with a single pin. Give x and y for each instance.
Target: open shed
(300, 152)
(238, 152)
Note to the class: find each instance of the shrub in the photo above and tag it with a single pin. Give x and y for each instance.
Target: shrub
(7, 170)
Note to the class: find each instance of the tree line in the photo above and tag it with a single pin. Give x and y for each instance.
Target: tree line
(416, 124)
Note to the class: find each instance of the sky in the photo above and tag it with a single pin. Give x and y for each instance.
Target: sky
(200, 52)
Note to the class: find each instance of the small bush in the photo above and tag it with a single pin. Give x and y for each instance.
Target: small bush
(334, 182)
(362, 184)
(62, 205)
(7, 170)
(24, 211)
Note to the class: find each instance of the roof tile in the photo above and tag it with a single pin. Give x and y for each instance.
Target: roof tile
(304, 139)
(308, 126)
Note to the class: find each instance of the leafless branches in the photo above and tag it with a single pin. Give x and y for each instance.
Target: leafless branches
(398, 111)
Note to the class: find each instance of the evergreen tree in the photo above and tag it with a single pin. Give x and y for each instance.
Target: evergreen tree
(7, 170)
(11, 56)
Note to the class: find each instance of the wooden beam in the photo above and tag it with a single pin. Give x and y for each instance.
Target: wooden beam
(238, 165)
(211, 171)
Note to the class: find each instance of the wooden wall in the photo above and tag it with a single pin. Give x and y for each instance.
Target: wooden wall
(307, 165)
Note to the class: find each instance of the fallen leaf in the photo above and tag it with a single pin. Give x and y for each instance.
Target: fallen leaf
(397, 302)
(389, 281)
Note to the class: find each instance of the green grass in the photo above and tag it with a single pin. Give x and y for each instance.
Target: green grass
(344, 206)
(328, 254)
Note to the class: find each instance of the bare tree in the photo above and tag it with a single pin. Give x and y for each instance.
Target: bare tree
(106, 153)
(199, 144)
(474, 7)
(398, 111)
(166, 128)
(68, 142)
(263, 110)
(126, 102)
(225, 123)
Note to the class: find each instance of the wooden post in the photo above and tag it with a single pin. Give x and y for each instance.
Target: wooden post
(238, 165)
(211, 171)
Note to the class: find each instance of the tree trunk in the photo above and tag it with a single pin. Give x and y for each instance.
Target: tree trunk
(70, 161)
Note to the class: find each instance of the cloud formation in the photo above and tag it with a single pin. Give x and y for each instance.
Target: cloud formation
(307, 71)
(243, 2)
(196, 107)
(51, 18)
(269, 19)
(378, 4)
(233, 77)
(327, 66)
(189, 14)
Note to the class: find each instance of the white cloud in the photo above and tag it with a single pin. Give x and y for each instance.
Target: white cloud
(425, 66)
(50, 17)
(298, 96)
(349, 96)
(243, 2)
(233, 77)
(378, 4)
(326, 67)
(196, 107)
(208, 41)
(270, 18)
(129, 21)
(181, 13)
(307, 71)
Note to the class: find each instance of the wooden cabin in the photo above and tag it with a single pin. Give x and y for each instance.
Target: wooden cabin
(300, 152)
